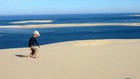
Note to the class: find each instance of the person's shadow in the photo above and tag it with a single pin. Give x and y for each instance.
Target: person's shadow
(21, 56)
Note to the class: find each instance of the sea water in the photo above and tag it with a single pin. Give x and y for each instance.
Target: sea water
(17, 37)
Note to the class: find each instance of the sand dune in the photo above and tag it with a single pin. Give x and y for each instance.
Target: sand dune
(114, 59)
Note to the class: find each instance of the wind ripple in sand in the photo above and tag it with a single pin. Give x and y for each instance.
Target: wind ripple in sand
(103, 42)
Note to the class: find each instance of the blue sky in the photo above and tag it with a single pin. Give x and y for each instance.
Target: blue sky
(29, 7)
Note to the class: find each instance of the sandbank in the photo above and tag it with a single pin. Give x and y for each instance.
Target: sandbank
(71, 25)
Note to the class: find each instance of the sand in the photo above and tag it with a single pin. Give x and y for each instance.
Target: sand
(88, 59)
(32, 21)
(68, 25)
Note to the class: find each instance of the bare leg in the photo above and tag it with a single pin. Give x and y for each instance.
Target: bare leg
(35, 56)
(30, 55)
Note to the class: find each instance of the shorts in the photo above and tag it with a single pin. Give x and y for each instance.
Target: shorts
(34, 50)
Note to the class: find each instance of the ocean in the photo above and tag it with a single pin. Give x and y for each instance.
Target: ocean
(18, 37)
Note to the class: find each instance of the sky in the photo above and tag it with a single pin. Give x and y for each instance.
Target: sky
(34, 7)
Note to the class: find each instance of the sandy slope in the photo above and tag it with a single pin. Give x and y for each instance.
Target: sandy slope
(111, 59)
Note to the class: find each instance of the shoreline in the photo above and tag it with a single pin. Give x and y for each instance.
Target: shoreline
(111, 59)
(70, 25)
(90, 43)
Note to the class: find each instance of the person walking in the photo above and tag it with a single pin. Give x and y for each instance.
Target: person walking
(32, 45)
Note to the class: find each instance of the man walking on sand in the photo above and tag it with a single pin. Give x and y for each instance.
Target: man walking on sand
(32, 42)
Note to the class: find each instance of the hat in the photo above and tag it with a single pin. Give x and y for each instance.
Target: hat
(36, 32)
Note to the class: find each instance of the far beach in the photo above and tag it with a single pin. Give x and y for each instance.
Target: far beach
(70, 25)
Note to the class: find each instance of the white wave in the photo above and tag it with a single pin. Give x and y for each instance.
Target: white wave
(32, 21)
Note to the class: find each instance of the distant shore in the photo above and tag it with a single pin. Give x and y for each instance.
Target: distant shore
(32, 21)
(71, 25)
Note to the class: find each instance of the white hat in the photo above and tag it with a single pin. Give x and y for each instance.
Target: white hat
(36, 32)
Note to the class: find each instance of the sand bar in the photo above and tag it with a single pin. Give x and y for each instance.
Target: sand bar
(71, 25)
(31, 21)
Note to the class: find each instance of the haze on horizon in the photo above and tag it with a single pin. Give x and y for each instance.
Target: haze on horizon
(33, 7)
